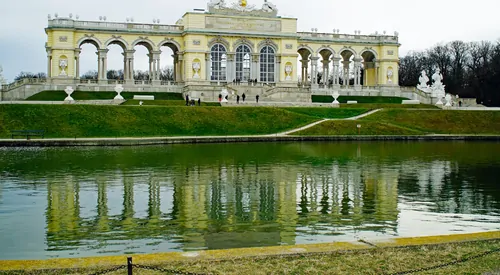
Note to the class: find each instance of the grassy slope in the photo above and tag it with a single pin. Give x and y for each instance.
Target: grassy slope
(414, 122)
(135, 121)
(371, 261)
(327, 112)
(359, 99)
(167, 103)
(81, 95)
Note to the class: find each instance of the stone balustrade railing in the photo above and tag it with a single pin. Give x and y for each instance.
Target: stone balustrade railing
(24, 81)
(115, 26)
(349, 37)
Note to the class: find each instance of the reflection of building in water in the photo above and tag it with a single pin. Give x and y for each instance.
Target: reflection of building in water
(224, 206)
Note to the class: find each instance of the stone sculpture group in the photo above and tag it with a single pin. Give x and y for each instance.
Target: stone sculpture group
(437, 87)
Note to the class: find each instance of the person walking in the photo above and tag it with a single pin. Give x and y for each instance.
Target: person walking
(187, 100)
(257, 98)
(243, 97)
(199, 101)
(237, 99)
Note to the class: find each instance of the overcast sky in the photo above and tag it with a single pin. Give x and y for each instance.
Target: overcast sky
(421, 24)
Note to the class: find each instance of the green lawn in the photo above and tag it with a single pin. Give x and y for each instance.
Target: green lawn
(167, 103)
(359, 99)
(327, 112)
(81, 95)
(349, 127)
(414, 122)
(369, 261)
(145, 121)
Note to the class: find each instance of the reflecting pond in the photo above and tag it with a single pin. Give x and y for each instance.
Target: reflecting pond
(75, 202)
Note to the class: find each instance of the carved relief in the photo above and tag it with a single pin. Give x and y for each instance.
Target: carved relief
(219, 39)
(243, 41)
(196, 42)
(63, 39)
(390, 52)
(289, 46)
(268, 42)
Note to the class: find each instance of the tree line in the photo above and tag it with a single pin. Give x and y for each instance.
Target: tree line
(469, 69)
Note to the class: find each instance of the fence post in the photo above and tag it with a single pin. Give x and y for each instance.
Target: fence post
(129, 265)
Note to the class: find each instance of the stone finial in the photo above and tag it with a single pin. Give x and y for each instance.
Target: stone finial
(70, 15)
(49, 17)
(100, 18)
(104, 18)
(385, 32)
(396, 33)
(158, 21)
(56, 15)
(77, 17)
(131, 19)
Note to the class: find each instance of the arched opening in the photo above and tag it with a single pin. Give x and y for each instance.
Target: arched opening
(304, 55)
(369, 70)
(143, 62)
(86, 63)
(115, 60)
(168, 57)
(243, 63)
(267, 61)
(348, 75)
(325, 74)
(218, 63)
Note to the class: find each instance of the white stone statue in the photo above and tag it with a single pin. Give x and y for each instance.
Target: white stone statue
(119, 90)
(390, 73)
(224, 93)
(448, 100)
(69, 90)
(63, 63)
(269, 7)
(288, 72)
(216, 4)
(196, 69)
(423, 79)
(437, 77)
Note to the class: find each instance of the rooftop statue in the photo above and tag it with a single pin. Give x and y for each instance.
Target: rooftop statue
(2, 80)
(216, 4)
(241, 7)
(268, 7)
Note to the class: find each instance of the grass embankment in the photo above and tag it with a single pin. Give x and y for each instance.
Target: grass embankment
(327, 112)
(166, 103)
(414, 122)
(359, 99)
(145, 121)
(386, 260)
(81, 95)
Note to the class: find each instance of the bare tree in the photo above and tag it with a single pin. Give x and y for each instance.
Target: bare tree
(167, 74)
(89, 75)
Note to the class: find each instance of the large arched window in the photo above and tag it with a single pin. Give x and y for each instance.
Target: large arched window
(243, 63)
(218, 62)
(267, 64)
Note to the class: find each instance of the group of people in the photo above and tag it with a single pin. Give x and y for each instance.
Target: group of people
(192, 101)
(243, 96)
(237, 81)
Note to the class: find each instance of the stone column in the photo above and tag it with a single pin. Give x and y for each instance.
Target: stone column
(346, 72)
(77, 63)
(151, 66)
(357, 72)
(314, 70)
(230, 67)
(377, 65)
(156, 67)
(277, 69)
(254, 67)
(326, 71)
(305, 74)
(49, 62)
(128, 70)
(336, 72)
(103, 67)
(207, 67)
(176, 61)
(181, 67)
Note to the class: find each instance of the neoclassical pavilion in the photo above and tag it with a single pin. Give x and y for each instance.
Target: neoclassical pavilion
(226, 43)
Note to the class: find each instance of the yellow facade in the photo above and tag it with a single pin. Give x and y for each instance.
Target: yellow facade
(193, 36)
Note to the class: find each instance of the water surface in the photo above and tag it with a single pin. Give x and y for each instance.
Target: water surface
(75, 202)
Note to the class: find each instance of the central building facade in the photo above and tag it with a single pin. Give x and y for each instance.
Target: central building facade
(227, 44)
